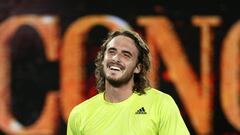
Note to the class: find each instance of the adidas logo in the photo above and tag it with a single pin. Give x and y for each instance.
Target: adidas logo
(141, 111)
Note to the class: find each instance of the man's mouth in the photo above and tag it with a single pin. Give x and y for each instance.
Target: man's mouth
(115, 68)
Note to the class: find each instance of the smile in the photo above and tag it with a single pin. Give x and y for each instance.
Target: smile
(115, 68)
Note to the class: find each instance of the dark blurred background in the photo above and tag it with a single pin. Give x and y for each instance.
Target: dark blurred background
(32, 75)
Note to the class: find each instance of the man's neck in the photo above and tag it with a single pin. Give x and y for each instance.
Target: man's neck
(118, 94)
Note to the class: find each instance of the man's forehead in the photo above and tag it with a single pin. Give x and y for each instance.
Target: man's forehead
(121, 40)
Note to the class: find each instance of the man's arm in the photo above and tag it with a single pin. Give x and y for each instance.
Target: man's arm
(72, 128)
(171, 122)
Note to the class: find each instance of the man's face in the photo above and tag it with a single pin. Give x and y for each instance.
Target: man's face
(120, 60)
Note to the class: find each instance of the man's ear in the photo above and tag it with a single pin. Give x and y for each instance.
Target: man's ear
(138, 68)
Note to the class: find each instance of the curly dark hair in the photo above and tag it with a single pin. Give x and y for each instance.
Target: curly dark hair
(140, 80)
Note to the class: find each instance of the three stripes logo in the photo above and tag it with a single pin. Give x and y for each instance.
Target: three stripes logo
(141, 111)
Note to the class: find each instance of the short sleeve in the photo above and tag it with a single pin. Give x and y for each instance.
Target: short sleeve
(72, 123)
(171, 122)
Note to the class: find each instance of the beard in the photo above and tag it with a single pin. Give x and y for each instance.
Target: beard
(117, 82)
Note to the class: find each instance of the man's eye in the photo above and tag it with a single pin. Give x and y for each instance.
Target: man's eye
(127, 55)
(111, 52)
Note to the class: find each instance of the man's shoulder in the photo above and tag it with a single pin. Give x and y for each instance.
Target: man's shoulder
(155, 92)
(157, 95)
(91, 102)
(160, 99)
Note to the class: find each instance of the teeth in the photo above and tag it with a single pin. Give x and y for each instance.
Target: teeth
(115, 68)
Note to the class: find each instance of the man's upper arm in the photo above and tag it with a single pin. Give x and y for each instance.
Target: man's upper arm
(171, 122)
(72, 124)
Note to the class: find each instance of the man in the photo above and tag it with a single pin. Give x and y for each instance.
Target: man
(126, 104)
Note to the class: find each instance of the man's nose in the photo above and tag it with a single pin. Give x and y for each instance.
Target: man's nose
(116, 58)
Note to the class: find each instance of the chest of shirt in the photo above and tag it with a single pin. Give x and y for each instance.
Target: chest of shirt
(127, 120)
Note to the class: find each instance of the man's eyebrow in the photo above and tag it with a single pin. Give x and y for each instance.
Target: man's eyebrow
(127, 52)
(111, 48)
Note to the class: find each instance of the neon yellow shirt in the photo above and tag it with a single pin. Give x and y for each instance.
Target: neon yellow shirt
(154, 113)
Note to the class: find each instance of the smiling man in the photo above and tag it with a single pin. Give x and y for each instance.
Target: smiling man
(126, 104)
